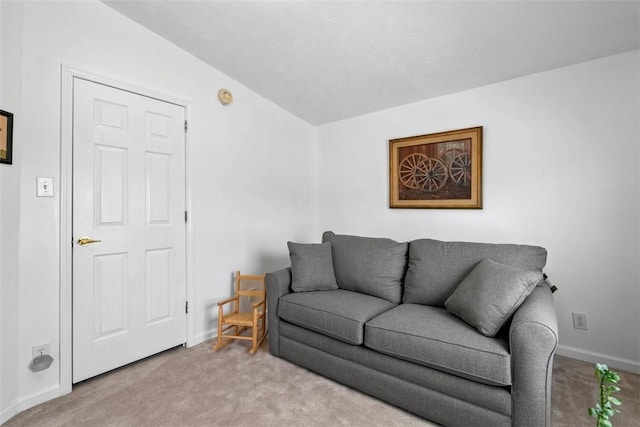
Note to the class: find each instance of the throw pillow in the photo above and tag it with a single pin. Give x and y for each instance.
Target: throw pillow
(490, 294)
(311, 267)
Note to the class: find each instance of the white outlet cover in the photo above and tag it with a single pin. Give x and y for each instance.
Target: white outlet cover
(35, 350)
(580, 321)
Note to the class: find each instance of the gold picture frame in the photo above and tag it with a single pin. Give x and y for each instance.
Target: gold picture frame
(437, 171)
(6, 137)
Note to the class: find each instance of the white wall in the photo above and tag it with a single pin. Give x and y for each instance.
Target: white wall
(252, 179)
(561, 160)
(10, 94)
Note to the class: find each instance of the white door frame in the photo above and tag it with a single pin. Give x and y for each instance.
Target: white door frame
(66, 210)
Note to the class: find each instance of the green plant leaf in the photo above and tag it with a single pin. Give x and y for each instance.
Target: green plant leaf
(615, 400)
(604, 423)
(612, 376)
(613, 388)
(593, 412)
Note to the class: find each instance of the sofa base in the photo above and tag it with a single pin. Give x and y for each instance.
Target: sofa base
(422, 401)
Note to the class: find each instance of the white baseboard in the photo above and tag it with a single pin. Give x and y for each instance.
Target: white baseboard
(592, 357)
(205, 336)
(20, 405)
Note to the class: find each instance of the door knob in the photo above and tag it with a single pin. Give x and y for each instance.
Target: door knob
(84, 241)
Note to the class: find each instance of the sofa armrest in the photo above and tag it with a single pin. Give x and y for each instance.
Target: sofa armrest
(278, 284)
(533, 338)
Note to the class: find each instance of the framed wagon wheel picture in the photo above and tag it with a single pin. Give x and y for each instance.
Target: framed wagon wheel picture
(6, 137)
(439, 170)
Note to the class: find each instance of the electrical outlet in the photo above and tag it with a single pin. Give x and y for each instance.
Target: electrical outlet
(40, 350)
(580, 321)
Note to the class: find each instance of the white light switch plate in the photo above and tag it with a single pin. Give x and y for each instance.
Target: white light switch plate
(45, 186)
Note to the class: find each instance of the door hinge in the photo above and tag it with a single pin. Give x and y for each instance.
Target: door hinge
(185, 216)
(186, 307)
(185, 126)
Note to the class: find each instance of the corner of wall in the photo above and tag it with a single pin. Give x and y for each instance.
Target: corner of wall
(315, 140)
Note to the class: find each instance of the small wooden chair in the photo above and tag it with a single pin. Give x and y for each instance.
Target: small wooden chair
(239, 319)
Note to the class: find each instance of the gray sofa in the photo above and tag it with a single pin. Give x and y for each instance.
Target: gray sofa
(462, 334)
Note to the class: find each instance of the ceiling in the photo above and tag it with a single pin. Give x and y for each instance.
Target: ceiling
(329, 60)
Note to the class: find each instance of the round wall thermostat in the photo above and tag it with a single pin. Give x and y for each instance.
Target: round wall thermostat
(225, 96)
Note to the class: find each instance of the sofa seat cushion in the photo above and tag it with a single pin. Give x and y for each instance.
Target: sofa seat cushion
(431, 336)
(339, 314)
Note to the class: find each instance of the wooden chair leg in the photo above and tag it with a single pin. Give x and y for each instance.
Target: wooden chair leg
(254, 332)
(220, 342)
(220, 345)
(259, 332)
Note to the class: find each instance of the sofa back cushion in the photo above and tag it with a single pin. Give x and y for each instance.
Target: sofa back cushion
(436, 268)
(372, 266)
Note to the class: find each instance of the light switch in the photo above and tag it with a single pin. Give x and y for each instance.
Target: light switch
(45, 186)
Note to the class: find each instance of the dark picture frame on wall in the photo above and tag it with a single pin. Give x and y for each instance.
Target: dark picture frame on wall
(6, 137)
(437, 171)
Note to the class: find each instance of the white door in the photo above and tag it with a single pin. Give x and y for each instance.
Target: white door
(129, 288)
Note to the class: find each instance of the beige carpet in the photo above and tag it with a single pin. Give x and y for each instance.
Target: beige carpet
(197, 387)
